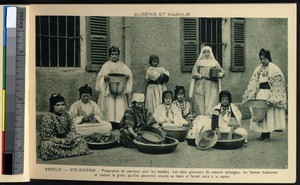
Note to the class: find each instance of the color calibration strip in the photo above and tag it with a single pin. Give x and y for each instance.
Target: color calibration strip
(13, 91)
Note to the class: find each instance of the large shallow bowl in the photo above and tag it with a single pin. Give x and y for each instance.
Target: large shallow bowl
(236, 142)
(151, 135)
(101, 146)
(168, 146)
(177, 132)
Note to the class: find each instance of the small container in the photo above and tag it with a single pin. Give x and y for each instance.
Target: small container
(213, 73)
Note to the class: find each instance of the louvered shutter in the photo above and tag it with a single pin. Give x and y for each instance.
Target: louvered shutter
(97, 43)
(190, 40)
(238, 45)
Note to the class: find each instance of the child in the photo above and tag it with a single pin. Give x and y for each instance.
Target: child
(168, 114)
(226, 117)
(156, 77)
(185, 107)
(86, 111)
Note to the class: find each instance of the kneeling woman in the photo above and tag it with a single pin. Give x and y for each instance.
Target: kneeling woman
(135, 117)
(87, 116)
(58, 138)
(226, 118)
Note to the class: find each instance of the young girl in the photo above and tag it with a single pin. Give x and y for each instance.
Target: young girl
(168, 114)
(204, 89)
(225, 118)
(156, 77)
(85, 111)
(185, 107)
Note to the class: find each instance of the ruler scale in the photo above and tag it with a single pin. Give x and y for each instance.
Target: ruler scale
(10, 106)
(18, 161)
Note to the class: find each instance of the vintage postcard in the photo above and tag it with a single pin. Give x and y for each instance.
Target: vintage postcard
(75, 51)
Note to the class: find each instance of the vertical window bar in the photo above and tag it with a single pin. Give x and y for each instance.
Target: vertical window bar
(217, 41)
(40, 40)
(57, 43)
(49, 44)
(211, 31)
(74, 41)
(66, 65)
(206, 30)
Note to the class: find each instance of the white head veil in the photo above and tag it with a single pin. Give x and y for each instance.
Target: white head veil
(202, 61)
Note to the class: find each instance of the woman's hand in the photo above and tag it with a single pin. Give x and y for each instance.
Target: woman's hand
(220, 74)
(197, 77)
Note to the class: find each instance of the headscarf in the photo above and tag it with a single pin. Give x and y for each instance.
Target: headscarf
(85, 89)
(153, 57)
(138, 97)
(55, 98)
(265, 53)
(225, 94)
(211, 61)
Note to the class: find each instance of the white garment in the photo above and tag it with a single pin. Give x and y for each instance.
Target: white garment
(113, 106)
(79, 109)
(154, 91)
(166, 116)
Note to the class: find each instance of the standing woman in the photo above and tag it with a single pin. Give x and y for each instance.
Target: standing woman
(204, 89)
(157, 77)
(268, 83)
(113, 105)
(58, 138)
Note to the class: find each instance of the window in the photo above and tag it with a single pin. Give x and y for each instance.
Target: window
(198, 33)
(97, 42)
(57, 41)
(238, 45)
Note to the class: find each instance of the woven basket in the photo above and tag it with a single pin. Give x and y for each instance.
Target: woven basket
(117, 83)
(151, 135)
(259, 110)
(168, 146)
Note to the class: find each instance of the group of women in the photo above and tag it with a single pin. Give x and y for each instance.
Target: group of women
(210, 108)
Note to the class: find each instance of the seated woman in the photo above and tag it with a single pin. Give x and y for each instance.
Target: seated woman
(85, 111)
(134, 118)
(168, 114)
(58, 138)
(226, 118)
(186, 108)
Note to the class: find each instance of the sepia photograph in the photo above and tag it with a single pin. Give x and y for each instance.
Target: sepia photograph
(156, 95)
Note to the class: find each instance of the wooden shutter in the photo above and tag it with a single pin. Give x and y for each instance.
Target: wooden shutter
(97, 42)
(190, 40)
(238, 45)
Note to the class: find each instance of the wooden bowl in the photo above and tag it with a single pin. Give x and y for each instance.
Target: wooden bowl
(177, 132)
(236, 142)
(101, 146)
(191, 141)
(168, 146)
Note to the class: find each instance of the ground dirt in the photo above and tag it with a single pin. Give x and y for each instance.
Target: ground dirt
(254, 154)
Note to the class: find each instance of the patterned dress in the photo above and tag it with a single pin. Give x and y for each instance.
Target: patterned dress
(275, 92)
(58, 138)
(187, 110)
